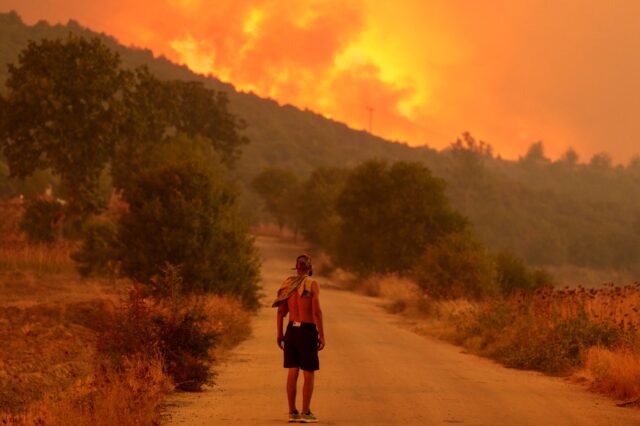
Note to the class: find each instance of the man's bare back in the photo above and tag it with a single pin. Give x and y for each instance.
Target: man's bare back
(306, 308)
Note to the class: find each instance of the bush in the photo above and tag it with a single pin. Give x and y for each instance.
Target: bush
(186, 215)
(316, 214)
(389, 215)
(41, 220)
(130, 395)
(174, 327)
(97, 252)
(526, 339)
(512, 274)
(455, 266)
(278, 189)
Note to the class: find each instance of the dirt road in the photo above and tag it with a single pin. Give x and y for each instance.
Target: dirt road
(373, 371)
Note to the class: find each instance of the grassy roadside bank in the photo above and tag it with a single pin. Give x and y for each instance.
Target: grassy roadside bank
(58, 363)
(589, 335)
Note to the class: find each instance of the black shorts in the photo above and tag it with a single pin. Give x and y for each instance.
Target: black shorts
(301, 347)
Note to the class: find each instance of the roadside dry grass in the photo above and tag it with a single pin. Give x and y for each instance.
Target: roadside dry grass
(51, 372)
(48, 324)
(585, 333)
(615, 372)
(128, 396)
(229, 320)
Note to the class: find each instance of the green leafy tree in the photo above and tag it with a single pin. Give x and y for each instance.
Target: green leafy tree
(159, 111)
(185, 215)
(601, 161)
(569, 158)
(145, 126)
(41, 220)
(389, 215)
(468, 175)
(199, 111)
(316, 213)
(512, 273)
(535, 154)
(98, 250)
(456, 265)
(61, 111)
(278, 189)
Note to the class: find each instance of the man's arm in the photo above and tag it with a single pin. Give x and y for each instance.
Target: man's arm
(317, 313)
(283, 309)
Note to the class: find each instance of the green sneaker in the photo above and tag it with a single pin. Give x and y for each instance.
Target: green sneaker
(308, 417)
(294, 416)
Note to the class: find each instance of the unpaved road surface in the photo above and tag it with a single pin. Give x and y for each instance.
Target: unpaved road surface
(375, 372)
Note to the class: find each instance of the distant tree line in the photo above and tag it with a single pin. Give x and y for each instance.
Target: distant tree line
(380, 218)
(569, 211)
(550, 212)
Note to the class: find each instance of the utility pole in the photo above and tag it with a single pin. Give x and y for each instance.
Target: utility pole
(370, 109)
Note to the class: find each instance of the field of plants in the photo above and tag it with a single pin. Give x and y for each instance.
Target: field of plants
(83, 351)
(592, 335)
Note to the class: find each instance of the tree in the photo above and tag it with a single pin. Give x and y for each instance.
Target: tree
(71, 108)
(389, 215)
(469, 176)
(512, 273)
(61, 111)
(145, 126)
(186, 216)
(535, 154)
(456, 265)
(601, 161)
(468, 144)
(203, 112)
(278, 188)
(159, 111)
(316, 214)
(570, 157)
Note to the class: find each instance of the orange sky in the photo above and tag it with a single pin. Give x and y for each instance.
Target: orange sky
(512, 73)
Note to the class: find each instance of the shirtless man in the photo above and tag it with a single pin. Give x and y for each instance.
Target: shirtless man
(299, 297)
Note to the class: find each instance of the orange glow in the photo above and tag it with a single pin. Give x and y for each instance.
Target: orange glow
(511, 73)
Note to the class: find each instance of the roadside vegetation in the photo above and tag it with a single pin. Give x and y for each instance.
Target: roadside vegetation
(390, 231)
(131, 270)
(133, 185)
(574, 215)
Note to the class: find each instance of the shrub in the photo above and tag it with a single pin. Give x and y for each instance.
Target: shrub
(389, 215)
(130, 395)
(615, 372)
(512, 273)
(277, 187)
(98, 248)
(174, 327)
(186, 215)
(41, 220)
(316, 214)
(523, 336)
(456, 265)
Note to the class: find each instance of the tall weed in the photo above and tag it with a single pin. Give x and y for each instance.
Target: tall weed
(128, 395)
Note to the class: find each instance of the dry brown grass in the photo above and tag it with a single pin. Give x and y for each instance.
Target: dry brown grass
(47, 329)
(615, 372)
(106, 397)
(609, 304)
(588, 277)
(559, 324)
(50, 370)
(17, 254)
(40, 258)
(228, 319)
